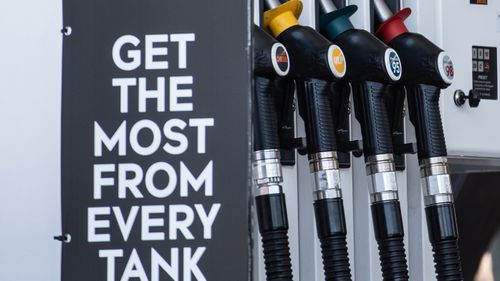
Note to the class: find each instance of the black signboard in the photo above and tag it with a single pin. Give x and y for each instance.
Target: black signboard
(155, 140)
(484, 71)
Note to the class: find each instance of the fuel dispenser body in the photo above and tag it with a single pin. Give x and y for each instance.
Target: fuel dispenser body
(463, 101)
(256, 140)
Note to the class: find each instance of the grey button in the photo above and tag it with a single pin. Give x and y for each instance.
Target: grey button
(474, 53)
(486, 54)
(480, 54)
(480, 66)
(474, 65)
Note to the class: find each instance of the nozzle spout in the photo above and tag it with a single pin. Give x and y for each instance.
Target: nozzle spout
(327, 6)
(382, 11)
(271, 4)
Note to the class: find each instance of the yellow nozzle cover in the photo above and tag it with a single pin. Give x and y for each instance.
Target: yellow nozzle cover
(283, 17)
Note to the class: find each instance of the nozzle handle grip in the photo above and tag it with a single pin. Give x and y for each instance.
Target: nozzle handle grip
(389, 234)
(371, 112)
(332, 232)
(423, 106)
(315, 108)
(443, 234)
(265, 116)
(273, 227)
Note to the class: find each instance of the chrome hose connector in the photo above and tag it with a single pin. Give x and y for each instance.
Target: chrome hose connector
(324, 167)
(435, 181)
(266, 169)
(381, 171)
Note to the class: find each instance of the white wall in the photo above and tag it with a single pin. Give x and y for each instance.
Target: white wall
(30, 102)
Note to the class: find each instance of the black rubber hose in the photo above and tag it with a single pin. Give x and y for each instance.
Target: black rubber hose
(273, 227)
(371, 112)
(443, 233)
(423, 104)
(265, 117)
(388, 225)
(332, 232)
(315, 108)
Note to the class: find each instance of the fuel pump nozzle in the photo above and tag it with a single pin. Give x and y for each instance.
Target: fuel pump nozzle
(270, 61)
(373, 66)
(316, 64)
(431, 71)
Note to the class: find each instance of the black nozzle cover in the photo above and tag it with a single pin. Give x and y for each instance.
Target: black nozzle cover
(308, 53)
(366, 56)
(420, 58)
(263, 44)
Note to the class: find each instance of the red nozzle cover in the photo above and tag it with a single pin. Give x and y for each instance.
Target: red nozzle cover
(394, 26)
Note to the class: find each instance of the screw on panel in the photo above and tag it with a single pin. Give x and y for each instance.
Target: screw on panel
(67, 30)
(66, 238)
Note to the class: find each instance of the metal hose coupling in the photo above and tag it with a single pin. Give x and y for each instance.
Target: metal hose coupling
(324, 167)
(272, 215)
(381, 171)
(267, 174)
(435, 179)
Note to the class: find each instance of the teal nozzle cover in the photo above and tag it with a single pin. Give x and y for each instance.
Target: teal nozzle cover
(337, 22)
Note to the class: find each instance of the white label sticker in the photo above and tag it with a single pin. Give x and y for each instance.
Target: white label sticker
(336, 60)
(393, 64)
(446, 69)
(280, 60)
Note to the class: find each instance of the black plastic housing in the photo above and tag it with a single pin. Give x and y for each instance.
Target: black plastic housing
(284, 93)
(262, 45)
(265, 117)
(308, 53)
(371, 112)
(423, 104)
(315, 109)
(341, 109)
(395, 102)
(366, 55)
(273, 101)
(420, 57)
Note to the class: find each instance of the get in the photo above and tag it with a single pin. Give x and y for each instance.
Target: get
(127, 54)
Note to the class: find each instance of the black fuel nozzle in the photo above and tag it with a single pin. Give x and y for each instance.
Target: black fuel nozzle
(430, 70)
(270, 62)
(316, 64)
(373, 67)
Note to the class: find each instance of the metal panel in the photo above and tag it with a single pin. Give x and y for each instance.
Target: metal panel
(469, 131)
